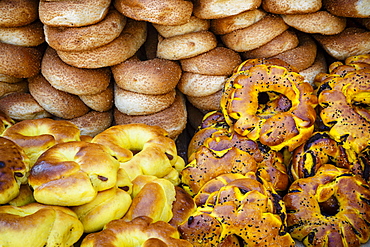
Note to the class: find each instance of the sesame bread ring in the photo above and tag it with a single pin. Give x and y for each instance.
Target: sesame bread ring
(351, 8)
(72, 173)
(198, 85)
(255, 35)
(35, 136)
(132, 103)
(281, 43)
(20, 87)
(186, 45)
(218, 61)
(101, 102)
(21, 106)
(351, 41)
(193, 25)
(174, 125)
(321, 22)
(87, 37)
(319, 66)
(9, 79)
(14, 169)
(330, 207)
(71, 79)
(153, 76)
(28, 35)
(55, 101)
(142, 149)
(207, 103)
(166, 12)
(285, 119)
(302, 56)
(19, 61)
(228, 24)
(121, 48)
(213, 9)
(291, 6)
(16, 13)
(93, 122)
(72, 13)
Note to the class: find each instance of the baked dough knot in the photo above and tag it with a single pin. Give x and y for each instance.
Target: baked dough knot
(14, 169)
(35, 136)
(344, 96)
(245, 206)
(141, 231)
(72, 173)
(143, 149)
(331, 208)
(269, 103)
(321, 149)
(44, 225)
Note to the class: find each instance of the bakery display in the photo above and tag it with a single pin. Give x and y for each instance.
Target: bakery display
(184, 123)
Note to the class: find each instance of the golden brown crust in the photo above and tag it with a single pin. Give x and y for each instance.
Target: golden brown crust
(281, 43)
(218, 61)
(153, 76)
(18, 61)
(93, 122)
(55, 101)
(21, 106)
(194, 24)
(350, 42)
(321, 22)
(72, 13)
(255, 35)
(302, 56)
(123, 47)
(16, 87)
(168, 12)
(291, 6)
(186, 45)
(70, 79)
(86, 37)
(14, 169)
(28, 35)
(15, 13)
(173, 119)
(213, 9)
(101, 102)
(228, 24)
(351, 8)
(182, 207)
(207, 103)
(132, 103)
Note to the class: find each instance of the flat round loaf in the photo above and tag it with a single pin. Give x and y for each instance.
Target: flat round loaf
(281, 43)
(71, 79)
(186, 45)
(214, 9)
(199, 85)
(72, 13)
(87, 37)
(321, 22)
(132, 103)
(291, 6)
(21, 106)
(194, 24)
(123, 47)
(165, 12)
(28, 35)
(255, 35)
(56, 102)
(16, 13)
(19, 61)
(153, 76)
(218, 61)
(348, 8)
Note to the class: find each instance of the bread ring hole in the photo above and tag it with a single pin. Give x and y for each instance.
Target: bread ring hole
(329, 207)
(271, 103)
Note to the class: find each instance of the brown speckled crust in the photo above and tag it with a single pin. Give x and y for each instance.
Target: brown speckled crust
(18, 13)
(245, 206)
(341, 94)
(285, 120)
(14, 168)
(29, 35)
(345, 224)
(348, 8)
(291, 6)
(93, 122)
